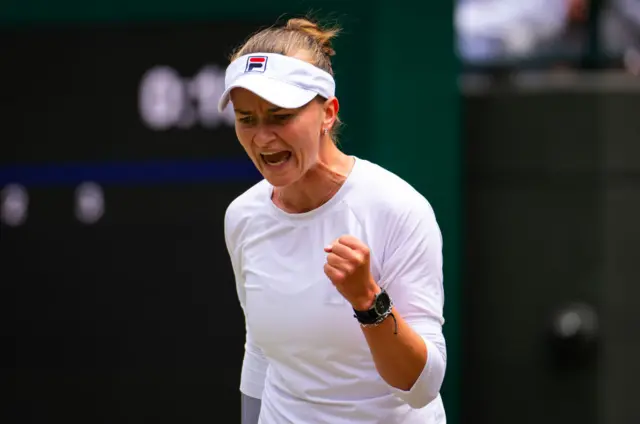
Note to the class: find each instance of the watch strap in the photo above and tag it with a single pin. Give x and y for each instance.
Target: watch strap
(373, 315)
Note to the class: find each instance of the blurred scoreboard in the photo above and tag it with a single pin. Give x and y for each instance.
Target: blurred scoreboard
(115, 173)
(117, 92)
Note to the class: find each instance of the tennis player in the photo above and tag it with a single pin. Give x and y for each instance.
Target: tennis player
(337, 261)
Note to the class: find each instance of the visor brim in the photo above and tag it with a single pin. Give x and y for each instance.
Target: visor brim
(276, 92)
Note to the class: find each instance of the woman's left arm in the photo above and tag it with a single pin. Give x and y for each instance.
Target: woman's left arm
(413, 361)
(413, 364)
(409, 352)
(399, 356)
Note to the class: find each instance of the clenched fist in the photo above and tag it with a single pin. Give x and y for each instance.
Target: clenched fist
(349, 269)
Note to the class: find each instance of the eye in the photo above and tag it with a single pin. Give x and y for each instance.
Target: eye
(282, 118)
(247, 120)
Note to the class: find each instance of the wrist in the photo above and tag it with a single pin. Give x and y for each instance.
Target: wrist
(366, 302)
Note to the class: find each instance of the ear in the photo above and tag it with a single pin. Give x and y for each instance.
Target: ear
(331, 108)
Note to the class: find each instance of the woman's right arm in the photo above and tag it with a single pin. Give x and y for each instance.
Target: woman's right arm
(254, 370)
(254, 364)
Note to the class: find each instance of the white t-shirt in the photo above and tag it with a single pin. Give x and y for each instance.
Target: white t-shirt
(305, 354)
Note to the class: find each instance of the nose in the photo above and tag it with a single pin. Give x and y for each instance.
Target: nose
(264, 135)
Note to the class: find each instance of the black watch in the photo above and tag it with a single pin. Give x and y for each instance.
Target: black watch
(381, 308)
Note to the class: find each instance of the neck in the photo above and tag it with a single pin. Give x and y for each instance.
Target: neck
(318, 185)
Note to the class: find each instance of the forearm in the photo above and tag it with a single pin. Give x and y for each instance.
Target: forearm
(250, 409)
(399, 358)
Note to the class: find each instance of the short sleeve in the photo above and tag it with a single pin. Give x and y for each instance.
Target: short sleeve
(254, 364)
(412, 275)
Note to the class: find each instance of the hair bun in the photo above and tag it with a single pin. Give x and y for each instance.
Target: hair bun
(322, 36)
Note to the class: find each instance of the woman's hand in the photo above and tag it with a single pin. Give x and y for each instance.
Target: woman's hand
(348, 267)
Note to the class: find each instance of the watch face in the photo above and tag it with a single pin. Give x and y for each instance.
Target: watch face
(382, 303)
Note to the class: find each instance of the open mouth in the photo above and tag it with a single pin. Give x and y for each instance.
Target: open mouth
(276, 158)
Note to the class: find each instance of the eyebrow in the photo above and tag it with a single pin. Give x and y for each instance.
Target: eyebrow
(244, 112)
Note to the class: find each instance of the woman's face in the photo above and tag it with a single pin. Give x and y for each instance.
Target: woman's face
(283, 143)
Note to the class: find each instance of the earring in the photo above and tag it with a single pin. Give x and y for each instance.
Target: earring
(324, 131)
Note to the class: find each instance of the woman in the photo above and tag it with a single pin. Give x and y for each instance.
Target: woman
(337, 261)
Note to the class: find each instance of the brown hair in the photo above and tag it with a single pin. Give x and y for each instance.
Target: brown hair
(297, 35)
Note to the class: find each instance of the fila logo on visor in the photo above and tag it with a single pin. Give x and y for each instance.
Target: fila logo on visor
(256, 64)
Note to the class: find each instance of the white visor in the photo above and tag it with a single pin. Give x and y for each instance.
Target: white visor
(281, 80)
